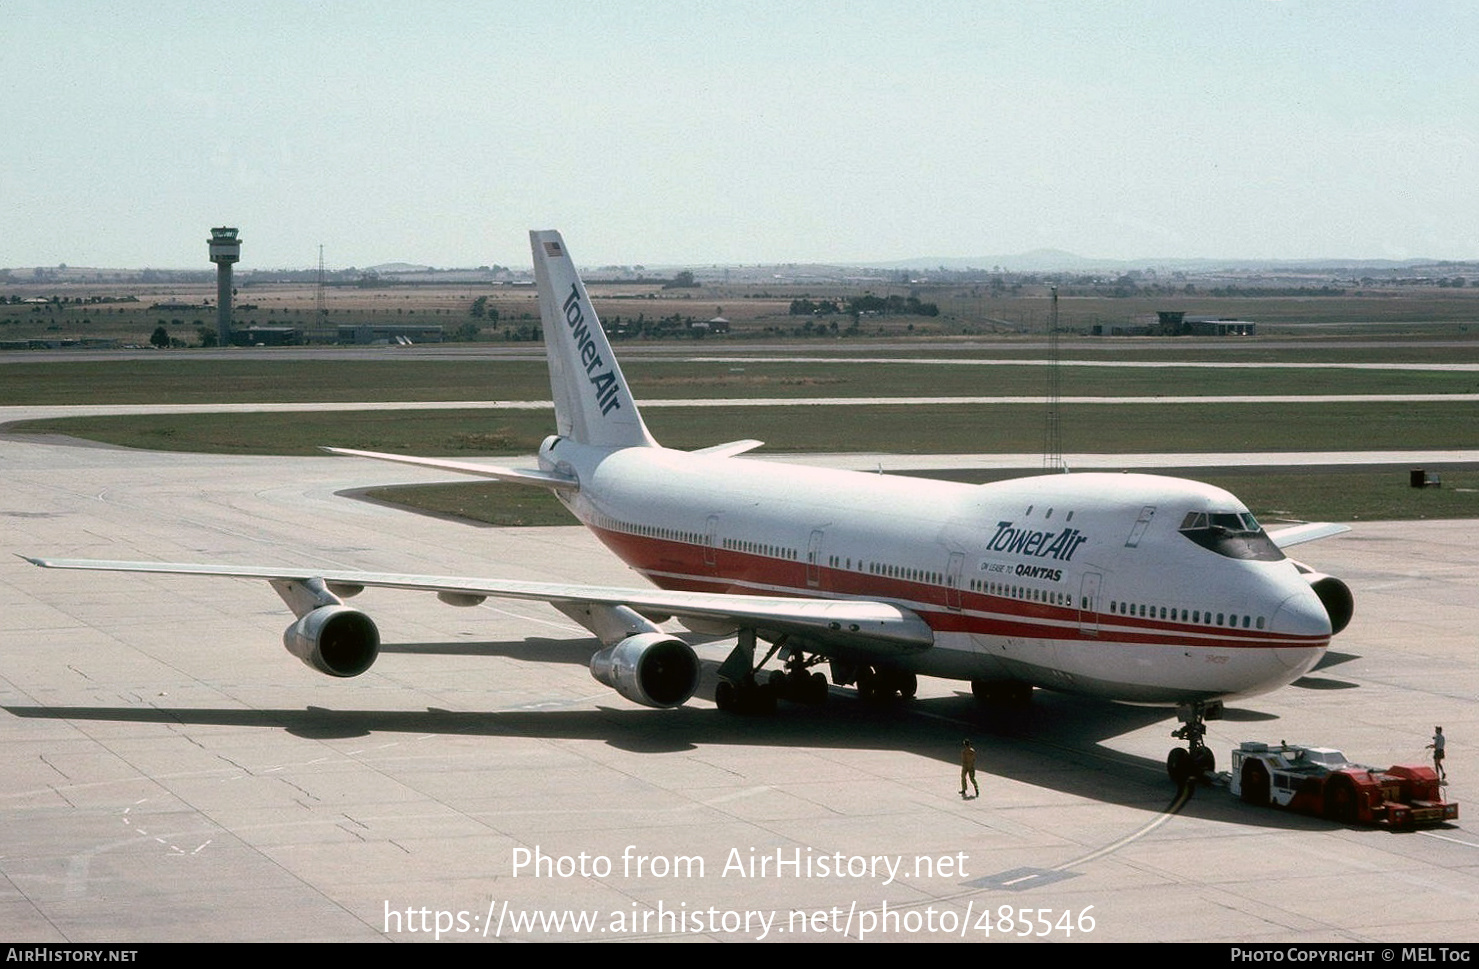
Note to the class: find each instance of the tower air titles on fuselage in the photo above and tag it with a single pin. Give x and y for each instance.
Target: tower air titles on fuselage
(1021, 541)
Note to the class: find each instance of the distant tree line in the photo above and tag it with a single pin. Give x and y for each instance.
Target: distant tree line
(1266, 291)
(684, 280)
(480, 310)
(867, 303)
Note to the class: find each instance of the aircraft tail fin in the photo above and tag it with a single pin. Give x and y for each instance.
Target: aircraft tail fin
(593, 404)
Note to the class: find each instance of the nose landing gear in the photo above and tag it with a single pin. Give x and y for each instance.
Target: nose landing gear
(1195, 760)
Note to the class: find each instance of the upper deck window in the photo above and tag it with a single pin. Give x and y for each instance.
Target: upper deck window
(1236, 535)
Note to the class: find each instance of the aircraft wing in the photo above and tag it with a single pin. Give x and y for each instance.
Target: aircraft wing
(528, 476)
(1308, 532)
(875, 628)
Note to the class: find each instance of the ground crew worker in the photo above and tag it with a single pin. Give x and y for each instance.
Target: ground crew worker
(968, 767)
(1437, 748)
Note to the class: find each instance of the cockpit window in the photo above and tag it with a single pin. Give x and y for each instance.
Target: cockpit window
(1236, 535)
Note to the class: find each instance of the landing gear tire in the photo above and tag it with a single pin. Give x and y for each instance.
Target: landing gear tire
(1178, 765)
(752, 697)
(883, 684)
(738, 691)
(797, 686)
(1203, 761)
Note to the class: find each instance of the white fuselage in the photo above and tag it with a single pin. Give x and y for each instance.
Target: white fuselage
(1076, 582)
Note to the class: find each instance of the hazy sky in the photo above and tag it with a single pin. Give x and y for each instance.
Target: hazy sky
(736, 133)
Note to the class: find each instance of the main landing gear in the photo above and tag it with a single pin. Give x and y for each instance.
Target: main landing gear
(880, 683)
(1195, 760)
(1002, 694)
(739, 691)
(742, 690)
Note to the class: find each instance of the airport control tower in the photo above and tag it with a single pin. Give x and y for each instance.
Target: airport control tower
(225, 250)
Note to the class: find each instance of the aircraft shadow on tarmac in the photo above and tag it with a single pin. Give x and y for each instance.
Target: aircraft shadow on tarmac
(1331, 658)
(1056, 742)
(577, 652)
(570, 652)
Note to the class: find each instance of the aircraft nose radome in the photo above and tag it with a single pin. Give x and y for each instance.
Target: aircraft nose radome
(1302, 614)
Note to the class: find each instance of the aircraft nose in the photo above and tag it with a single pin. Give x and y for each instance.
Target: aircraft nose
(1302, 615)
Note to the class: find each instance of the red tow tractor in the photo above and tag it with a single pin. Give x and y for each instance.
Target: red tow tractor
(1320, 781)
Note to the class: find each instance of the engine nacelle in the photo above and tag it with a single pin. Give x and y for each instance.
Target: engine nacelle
(653, 669)
(336, 640)
(1335, 596)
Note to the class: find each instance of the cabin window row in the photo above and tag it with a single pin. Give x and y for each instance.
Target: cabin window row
(1174, 614)
(761, 548)
(653, 531)
(904, 572)
(1025, 593)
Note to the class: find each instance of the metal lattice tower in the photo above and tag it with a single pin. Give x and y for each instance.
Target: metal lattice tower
(1052, 445)
(320, 308)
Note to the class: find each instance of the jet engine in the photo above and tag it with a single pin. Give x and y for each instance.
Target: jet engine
(336, 640)
(653, 669)
(1335, 596)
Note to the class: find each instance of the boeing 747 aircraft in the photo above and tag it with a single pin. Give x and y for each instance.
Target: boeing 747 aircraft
(1138, 588)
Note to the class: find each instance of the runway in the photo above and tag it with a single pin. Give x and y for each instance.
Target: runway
(169, 772)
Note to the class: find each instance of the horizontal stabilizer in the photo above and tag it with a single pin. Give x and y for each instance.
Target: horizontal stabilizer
(525, 476)
(729, 450)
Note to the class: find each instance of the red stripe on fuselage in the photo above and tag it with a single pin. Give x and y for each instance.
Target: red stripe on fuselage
(683, 566)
